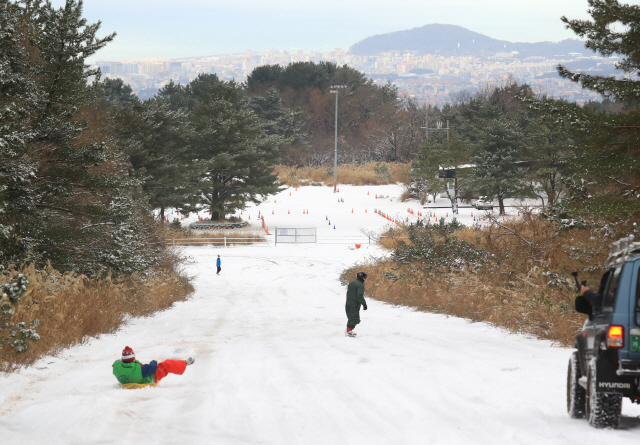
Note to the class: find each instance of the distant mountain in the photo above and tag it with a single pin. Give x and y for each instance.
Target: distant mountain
(455, 40)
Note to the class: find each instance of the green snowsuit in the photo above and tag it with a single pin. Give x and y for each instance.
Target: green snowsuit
(355, 298)
(131, 372)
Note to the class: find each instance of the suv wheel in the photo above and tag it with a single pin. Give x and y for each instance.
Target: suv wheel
(576, 394)
(603, 410)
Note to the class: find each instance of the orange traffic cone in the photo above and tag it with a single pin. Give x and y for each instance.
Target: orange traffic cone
(288, 212)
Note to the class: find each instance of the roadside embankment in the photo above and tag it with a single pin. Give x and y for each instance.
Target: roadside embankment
(515, 275)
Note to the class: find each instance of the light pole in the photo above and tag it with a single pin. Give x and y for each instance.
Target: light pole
(335, 89)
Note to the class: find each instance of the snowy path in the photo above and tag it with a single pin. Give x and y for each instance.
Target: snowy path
(273, 367)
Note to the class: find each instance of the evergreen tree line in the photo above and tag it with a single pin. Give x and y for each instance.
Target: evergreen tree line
(85, 163)
(374, 123)
(496, 147)
(201, 146)
(67, 194)
(211, 145)
(506, 141)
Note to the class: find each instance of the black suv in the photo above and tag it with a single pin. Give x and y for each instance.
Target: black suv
(606, 366)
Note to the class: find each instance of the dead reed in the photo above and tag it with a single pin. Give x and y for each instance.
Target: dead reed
(354, 174)
(524, 286)
(73, 308)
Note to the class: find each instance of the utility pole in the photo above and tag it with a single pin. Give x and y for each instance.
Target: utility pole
(335, 90)
(439, 127)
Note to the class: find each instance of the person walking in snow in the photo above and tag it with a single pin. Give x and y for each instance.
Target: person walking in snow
(218, 264)
(355, 298)
(130, 370)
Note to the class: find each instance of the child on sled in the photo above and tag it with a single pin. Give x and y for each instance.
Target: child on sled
(129, 370)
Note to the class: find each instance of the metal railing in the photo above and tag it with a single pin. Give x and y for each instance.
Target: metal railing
(338, 239)
(270, 241)
(221, 242)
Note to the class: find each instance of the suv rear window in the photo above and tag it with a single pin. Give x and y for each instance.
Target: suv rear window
(609, 300)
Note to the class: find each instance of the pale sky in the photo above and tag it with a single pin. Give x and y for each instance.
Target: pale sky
(188, 28)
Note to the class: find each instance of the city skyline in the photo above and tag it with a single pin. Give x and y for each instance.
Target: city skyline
(426, 78)
(196, 28)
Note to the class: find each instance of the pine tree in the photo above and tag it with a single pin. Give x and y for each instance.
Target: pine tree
(496, 155)
(276, 118)
(18, 102)
(603, 174)
(229, 144)
(68, 196)
(155, 138)
(548, 152)
(613, 30)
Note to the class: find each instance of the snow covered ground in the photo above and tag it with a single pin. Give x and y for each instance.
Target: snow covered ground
(273, 365)
(346, 213)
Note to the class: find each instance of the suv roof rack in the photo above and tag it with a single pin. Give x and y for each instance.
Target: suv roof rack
(623, 247)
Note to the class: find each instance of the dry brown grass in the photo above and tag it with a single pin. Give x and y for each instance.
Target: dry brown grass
(525, 286)
(360, 174)
(74, 308)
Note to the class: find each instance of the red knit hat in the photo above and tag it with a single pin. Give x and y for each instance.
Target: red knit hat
(128, 355)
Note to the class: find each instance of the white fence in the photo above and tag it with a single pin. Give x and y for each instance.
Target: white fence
(294, 235)
(282, 236)
(220, 242)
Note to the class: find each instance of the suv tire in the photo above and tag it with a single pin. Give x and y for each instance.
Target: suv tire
(576, 394)
(603, 410)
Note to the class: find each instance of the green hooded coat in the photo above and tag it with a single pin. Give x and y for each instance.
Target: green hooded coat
(355, 298)
(131, 372)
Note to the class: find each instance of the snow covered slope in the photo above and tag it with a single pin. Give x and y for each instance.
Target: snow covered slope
(351, 209)
(273, 365)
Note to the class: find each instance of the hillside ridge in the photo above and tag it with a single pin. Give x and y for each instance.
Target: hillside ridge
(453, 40)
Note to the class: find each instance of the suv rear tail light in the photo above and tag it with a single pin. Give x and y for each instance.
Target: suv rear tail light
(615, 339)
